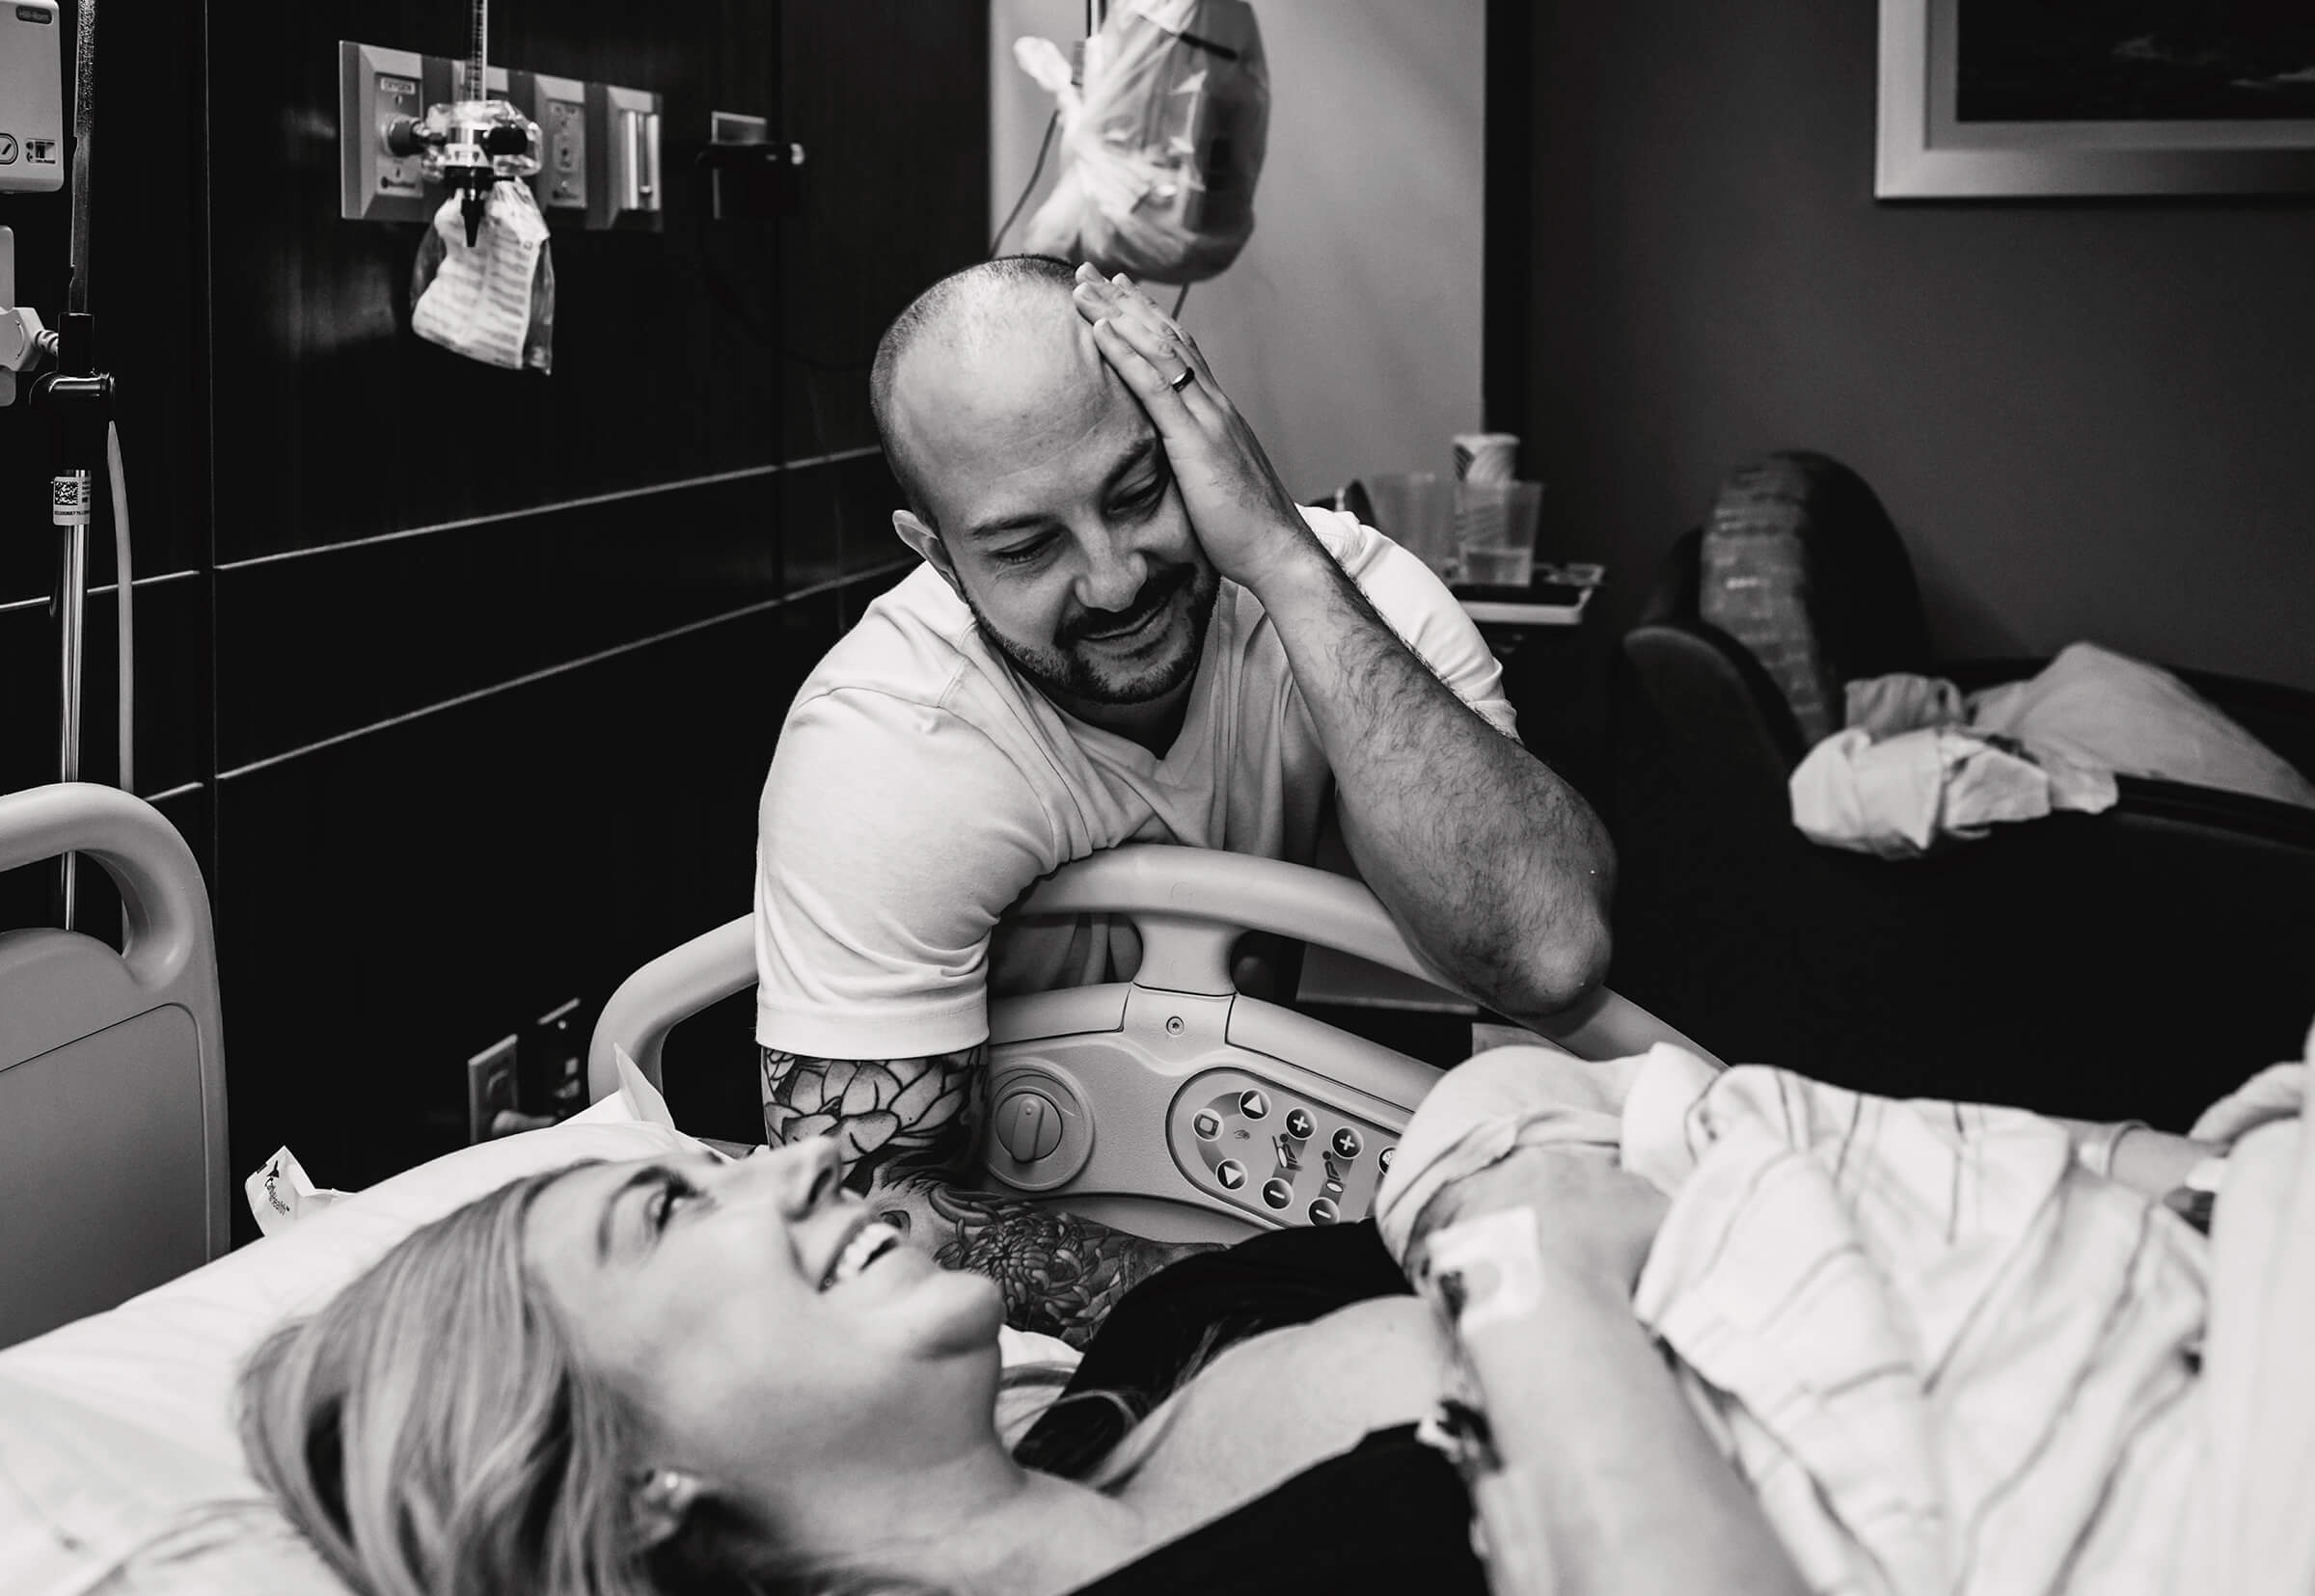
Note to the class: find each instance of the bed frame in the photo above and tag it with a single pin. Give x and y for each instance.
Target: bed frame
(1142, 1087)
(111, 1079)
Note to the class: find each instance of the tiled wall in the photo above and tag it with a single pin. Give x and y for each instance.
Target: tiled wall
(467, 680)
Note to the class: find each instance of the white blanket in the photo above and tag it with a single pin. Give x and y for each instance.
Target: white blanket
(1917, 762)
(1945, 1355)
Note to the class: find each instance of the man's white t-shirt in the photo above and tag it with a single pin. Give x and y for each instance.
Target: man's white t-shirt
(920, 786)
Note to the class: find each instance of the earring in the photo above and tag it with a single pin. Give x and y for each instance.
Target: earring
(668, 1492)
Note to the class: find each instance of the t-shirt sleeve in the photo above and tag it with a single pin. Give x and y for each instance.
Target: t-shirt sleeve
(873, 904)
(1409, 596)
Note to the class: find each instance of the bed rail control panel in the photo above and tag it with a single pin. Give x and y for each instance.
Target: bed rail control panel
(1289, 1159)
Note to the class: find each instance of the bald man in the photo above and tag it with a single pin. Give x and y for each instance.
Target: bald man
(1123, 631)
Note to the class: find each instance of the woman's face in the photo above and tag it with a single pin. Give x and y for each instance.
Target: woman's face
(759, 1320)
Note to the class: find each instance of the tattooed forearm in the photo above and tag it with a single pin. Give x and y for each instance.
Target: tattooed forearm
(887, 1114)
(909, 1130)
(1059, 1272)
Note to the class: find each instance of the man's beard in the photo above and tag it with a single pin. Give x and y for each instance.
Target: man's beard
(1065, 672)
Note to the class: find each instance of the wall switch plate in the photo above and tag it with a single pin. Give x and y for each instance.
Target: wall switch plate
(375, 86)
(624, 190)
(559, 105)
(492, 1087)
(749, 177)
(738, 127)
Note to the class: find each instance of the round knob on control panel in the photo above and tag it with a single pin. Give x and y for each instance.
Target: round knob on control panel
(1298, 1122)
(1029, 1125)
(1382, 1159)
(1231, 1173)
(1347, 1143)
(1322, 1211)
(1277, 1193)
(1253, 1104)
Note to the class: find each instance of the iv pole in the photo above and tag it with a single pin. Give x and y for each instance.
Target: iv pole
(79, 397)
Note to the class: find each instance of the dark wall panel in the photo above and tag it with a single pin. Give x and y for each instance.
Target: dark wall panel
(172, 694)
(838, 519)
(396, 903)
(329, 641)
(355, 426)
(890, 100)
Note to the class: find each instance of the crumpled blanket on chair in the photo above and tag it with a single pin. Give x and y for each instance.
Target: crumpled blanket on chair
(1917, 762)
(1945, 1357)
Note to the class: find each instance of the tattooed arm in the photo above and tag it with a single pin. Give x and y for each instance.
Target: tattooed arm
(910, 1133)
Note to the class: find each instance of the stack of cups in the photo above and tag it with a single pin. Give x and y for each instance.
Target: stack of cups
(1415, 509)
(1495, 514)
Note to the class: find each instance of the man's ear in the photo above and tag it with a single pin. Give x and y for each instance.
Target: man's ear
(928, 545)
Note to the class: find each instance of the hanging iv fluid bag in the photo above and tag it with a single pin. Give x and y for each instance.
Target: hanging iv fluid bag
(1160, 142)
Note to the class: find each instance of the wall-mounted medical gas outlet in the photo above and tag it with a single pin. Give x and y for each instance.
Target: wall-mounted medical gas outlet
(32, 98)
(624, 190)
(377, 87)
(559, 105)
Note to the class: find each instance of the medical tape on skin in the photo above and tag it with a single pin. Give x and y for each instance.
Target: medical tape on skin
(1485, 1269)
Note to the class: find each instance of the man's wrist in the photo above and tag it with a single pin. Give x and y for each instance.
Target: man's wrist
(1294, 563)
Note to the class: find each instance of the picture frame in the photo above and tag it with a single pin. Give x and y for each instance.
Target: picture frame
(2003, 98)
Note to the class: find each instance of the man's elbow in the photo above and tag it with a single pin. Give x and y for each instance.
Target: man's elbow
(1566, 967)
(1569, 960)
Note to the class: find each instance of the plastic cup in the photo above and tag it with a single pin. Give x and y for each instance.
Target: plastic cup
(1495, 533)
(1415, 509)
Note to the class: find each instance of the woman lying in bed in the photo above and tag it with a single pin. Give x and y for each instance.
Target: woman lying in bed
(699, 1375)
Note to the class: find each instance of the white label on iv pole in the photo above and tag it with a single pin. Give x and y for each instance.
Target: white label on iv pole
(69, 499)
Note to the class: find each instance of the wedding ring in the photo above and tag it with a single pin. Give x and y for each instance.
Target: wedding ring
(2096, 1152)
(1183, 381)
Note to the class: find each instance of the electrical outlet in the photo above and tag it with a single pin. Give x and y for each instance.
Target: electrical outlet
(492, 1087)
(553, 1071)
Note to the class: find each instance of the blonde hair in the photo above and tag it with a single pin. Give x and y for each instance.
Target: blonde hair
(429, 1430)
(432, 1432)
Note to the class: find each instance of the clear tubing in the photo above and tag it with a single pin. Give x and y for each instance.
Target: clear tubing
(126, 653)
(72, 608)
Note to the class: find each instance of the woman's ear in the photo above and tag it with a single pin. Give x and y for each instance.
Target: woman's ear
(663, 1499)
(928, 545)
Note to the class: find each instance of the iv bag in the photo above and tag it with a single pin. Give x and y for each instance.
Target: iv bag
(1163, 142)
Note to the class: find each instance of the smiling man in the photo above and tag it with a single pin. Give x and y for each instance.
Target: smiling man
(1123, 631)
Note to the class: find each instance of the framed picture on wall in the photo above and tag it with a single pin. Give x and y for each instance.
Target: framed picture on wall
(1990, 98)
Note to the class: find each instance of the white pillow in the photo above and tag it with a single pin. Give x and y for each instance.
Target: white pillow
(112, 1428)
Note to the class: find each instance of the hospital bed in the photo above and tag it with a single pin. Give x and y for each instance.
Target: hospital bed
(1168, 1103)
(120, 1470)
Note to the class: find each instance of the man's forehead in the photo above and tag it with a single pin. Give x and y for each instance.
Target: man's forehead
(1019, 440)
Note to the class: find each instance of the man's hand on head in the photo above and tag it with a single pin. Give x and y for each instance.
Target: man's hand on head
(1244, 519)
